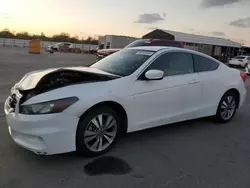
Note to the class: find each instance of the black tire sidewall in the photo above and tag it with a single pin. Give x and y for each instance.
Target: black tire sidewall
(218, 116)
(81, 147)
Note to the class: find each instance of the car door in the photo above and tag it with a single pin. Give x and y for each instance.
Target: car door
(212, 83)
(172, 99)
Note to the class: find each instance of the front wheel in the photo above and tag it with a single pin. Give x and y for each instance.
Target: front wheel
(97, 131)
(227, 107)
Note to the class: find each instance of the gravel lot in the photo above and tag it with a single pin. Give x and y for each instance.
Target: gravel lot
(192, 154)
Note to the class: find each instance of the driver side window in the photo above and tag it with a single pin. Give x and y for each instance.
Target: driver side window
(174, 63)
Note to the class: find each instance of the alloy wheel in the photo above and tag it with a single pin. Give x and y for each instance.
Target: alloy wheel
(228, 107)
(100, 132)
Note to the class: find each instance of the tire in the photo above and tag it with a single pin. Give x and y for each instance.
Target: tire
(90, 138)
(227, 107)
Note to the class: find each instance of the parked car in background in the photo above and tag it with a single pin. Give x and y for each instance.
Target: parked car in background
(61, 45)
(242, 61)
(93, 50)
(140, 42)
(87, 109)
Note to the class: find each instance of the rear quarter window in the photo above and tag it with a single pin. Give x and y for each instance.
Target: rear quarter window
(203, 64)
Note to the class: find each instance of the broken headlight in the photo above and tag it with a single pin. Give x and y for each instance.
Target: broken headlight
(55, 106)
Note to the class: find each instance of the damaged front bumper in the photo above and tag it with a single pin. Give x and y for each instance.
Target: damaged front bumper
(46, 133)
(42, 134)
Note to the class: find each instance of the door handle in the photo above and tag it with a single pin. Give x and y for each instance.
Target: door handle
(194, 81)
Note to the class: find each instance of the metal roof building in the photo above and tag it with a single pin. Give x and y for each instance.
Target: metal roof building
(192, 38)
(199, 39)
(213, 46)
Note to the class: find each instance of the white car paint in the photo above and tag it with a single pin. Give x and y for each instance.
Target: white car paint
(240, 61)
(247, 69)
(147, 103)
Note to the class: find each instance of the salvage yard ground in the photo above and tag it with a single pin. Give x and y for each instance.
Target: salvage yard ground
(193, 154)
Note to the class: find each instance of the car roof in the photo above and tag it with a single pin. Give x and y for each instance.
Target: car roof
(151, 48)
(169, 48)
(159, 40)
(158, 48)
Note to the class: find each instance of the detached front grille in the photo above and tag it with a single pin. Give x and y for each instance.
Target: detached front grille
(13, 101)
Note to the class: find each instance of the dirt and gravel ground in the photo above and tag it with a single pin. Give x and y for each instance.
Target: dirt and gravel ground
(192, 154)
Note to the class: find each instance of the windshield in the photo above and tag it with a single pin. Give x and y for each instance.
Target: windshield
(124, 62)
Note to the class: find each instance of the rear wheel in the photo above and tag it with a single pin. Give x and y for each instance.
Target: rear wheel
(97, 131)
(227, 107)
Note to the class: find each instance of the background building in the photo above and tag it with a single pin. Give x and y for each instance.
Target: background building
(115, 41)
(245, 50)
(219, 48)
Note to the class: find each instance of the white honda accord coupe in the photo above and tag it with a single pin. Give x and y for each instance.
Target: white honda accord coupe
(86, 109)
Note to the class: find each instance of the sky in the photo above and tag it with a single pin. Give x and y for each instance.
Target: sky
(221, 18)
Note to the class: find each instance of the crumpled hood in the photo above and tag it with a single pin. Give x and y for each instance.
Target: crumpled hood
(31, 79)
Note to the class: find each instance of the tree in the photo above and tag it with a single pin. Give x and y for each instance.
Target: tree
(23, 35)
(5, 33)
(94, 41)
(91, 40)
(74, 39)
(43, 37)
(62, 37)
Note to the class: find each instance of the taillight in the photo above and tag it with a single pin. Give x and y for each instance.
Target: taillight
(243, 76)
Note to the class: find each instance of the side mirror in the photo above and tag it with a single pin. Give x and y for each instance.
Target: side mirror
(154, 75)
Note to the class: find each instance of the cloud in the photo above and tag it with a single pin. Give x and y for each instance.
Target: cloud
(216, 3)
(150, 18)
(242, 22)
(218, 33)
